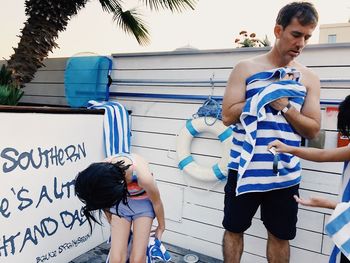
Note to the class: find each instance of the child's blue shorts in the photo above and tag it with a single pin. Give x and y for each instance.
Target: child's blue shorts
(134, 209)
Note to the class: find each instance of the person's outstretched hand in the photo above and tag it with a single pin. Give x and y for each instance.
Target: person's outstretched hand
(279, 146)
(316, 202)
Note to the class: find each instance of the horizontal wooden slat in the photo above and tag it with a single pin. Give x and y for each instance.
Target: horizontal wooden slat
(220, 75)
(155, 124)
(55, 64)
(48, 76)
(168, 142)
(163, 89)
(320, 181)
(48, 89)
(176, 110)
(226, 58)
(194, 244)
(173, 74)
(298, 255)
(175, 176)
(44, 100)
(335, 94)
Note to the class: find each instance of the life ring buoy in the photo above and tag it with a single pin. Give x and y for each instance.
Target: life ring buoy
(183, 147)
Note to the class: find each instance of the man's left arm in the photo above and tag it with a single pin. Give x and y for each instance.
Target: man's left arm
(307, 122)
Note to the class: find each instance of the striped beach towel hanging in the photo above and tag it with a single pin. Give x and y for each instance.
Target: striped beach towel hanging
(116, 126)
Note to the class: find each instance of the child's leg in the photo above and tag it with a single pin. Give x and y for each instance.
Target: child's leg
(141, 232)
(120, 230)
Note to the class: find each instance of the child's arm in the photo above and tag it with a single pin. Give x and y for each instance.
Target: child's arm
(147, 182)
(316, 202)
(313, 154)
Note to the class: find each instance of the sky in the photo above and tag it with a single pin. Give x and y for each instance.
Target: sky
(214, 24)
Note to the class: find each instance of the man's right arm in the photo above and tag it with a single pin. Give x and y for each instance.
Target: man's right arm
(234, 97)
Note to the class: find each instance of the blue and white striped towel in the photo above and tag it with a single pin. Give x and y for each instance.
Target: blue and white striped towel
(338, 226)
(155, 251)
(254, 112)
(116, 126)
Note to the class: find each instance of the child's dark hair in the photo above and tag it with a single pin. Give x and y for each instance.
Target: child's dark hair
(101, 186)
(344, 117)
(305, 12)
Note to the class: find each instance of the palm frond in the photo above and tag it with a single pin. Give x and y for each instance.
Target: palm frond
(110, 5)
(172, 5)
(130, 22)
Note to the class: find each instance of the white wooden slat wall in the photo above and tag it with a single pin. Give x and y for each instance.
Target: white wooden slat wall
(156, 122)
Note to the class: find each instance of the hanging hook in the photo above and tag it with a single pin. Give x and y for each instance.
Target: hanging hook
(212, 83)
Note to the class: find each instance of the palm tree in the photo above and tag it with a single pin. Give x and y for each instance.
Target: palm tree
(46, 18)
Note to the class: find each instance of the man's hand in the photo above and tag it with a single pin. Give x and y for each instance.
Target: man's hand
(279, 104)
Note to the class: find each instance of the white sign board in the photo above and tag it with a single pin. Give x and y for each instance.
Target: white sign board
(40, 156)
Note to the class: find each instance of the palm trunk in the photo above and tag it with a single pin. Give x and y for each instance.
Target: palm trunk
(45, 20)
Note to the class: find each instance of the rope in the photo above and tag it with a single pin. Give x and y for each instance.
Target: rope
(210, 108)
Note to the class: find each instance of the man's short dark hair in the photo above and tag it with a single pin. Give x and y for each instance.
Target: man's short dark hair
(305, 12)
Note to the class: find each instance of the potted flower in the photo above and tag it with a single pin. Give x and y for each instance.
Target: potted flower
(249, 40)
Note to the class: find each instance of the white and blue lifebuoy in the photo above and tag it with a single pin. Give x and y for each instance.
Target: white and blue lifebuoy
(183, 147)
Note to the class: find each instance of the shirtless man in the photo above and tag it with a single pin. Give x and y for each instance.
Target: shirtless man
(294, 26)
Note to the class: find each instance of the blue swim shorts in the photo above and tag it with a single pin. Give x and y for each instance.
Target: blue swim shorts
(134, 209)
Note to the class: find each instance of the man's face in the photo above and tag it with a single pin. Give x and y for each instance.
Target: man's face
(292, 39)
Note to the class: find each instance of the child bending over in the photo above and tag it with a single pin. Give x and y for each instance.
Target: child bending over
(124, 189)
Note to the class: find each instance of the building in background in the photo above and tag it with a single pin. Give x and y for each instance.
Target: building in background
(335, 33)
